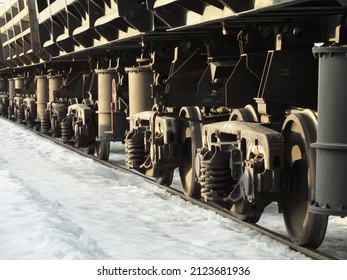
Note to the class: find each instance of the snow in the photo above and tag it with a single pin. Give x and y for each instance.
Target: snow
(56, 204)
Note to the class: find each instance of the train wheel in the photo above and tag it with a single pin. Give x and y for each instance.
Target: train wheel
(304, 228)
(246, 114)
(191, 135)
(103, 149)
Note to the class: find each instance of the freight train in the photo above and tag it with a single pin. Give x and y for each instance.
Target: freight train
(245, 98)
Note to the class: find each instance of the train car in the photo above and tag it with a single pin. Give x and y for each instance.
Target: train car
(244, 98)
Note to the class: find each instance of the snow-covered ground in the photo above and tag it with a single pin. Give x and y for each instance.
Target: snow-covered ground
(55, 204)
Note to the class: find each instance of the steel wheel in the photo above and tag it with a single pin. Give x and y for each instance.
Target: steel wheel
(103, 149)
(246, 114)
(191, 135)
(304, 228)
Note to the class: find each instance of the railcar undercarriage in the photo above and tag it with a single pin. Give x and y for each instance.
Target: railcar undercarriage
(245, 100)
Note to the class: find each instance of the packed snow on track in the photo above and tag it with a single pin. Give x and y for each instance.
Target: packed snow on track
(56, 204)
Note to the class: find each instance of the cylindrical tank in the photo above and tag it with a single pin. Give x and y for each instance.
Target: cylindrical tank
(331, 146)
(18, 84)
(105, 77)
(140, 80)
(11, 90)
(55, 83)
(42, 95)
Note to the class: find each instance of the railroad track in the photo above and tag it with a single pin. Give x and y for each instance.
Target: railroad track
(311, 253)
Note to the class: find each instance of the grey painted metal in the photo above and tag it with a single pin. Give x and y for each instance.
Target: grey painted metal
(331, 175)
(42, 94)
(105, 77)
(140, 80)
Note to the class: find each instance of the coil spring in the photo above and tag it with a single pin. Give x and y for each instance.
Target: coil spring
(9, 110)
(45, 123)
(135, 152)
(67, 131)
(20, 114)
(215, 177)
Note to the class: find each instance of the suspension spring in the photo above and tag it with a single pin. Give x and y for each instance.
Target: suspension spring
(2, 108)
(20, 114)
(215, 176)
(135, 151)
(45, 123)
(67, 131)
(10, 112)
